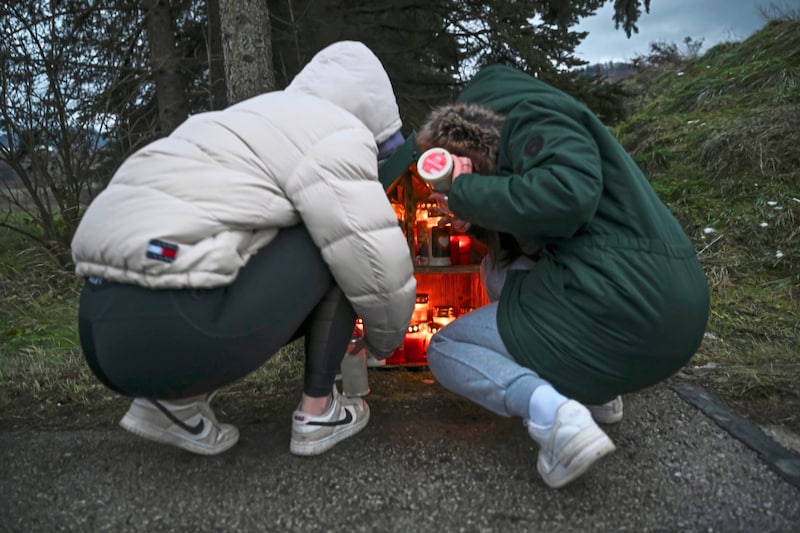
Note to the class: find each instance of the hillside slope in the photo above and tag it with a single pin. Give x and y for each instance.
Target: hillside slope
(719, 137)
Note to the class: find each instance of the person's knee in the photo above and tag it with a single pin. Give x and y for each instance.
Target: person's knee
(437, 361)
(432, 350)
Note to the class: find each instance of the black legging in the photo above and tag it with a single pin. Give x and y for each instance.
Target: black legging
(173, 344)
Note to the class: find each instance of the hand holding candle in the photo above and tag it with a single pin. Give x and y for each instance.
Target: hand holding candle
(439, 168)
(447, 217)
(459, 165)
(435, 166)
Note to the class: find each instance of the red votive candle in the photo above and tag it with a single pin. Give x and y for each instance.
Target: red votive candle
(454, 257)
(460, 249)
(414, 346)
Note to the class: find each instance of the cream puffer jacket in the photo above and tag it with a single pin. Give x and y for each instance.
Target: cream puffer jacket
(224, 183)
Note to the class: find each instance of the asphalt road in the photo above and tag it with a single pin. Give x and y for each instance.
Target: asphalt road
(428, 461)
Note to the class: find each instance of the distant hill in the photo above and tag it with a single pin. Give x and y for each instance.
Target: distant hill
(611, 71)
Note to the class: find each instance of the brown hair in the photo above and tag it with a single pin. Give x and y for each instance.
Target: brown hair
(467, 130)
(473, 131)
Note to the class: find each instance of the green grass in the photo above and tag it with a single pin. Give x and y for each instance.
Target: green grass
(38, 321)
(718, 137)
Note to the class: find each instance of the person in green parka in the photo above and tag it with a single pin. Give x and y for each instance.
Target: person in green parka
(595, 289)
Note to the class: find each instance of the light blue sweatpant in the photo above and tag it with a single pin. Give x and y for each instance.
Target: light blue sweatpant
(468, 356)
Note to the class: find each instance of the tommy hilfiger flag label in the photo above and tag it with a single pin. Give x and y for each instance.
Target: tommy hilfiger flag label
(162, 251)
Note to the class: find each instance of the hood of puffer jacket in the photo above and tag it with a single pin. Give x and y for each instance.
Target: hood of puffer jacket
(349, 75)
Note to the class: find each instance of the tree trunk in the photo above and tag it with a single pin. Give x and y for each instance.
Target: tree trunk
(173, 107)
(216, 60)
(247, 43)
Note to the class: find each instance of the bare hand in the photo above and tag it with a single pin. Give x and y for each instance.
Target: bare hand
(458, 224)
(441, 207)
(443, 210)
(461, 165)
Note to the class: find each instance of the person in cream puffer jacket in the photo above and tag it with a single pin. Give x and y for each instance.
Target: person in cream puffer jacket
(243, 229)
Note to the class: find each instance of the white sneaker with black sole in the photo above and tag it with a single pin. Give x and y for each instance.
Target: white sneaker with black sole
(313, 435)
(190, 426)
(570, 446)
(607, 413)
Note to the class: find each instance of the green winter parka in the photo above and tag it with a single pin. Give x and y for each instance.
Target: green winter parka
(618, 300)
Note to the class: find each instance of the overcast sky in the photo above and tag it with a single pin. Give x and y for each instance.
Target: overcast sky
(670, 21)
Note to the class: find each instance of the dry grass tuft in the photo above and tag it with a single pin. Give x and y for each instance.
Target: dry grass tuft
(764, 140)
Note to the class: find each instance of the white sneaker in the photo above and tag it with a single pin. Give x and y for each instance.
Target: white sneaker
(191, 426)
(570, 446)
(313, 435)
(607, 413)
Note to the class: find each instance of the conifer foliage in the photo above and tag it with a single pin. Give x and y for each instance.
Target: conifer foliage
(85, 83)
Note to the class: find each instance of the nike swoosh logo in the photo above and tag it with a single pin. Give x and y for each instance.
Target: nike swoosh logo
(194, 430)
(348, 417)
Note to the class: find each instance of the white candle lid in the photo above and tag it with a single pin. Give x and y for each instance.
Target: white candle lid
(435, 164)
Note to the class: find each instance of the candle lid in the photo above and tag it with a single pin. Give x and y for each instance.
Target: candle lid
(435, 164)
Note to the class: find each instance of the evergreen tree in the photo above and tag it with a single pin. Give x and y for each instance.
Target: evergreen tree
(409, 36)
(431, 48)
(91, 82)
